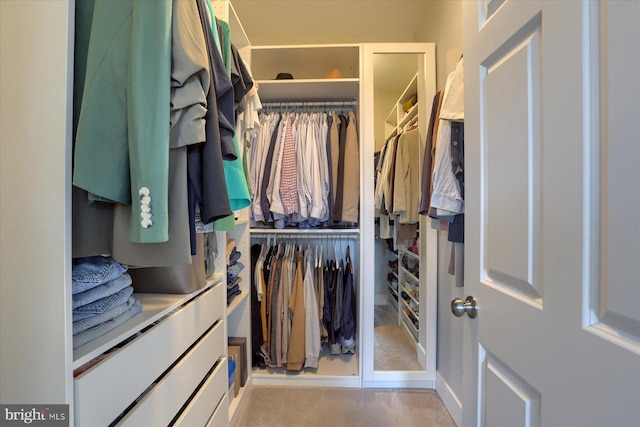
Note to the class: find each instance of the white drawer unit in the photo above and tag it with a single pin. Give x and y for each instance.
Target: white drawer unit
(177, 351)
(162, 402)
(219, 417)
(202, 405)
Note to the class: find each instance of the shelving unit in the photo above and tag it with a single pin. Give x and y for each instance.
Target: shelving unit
(397, 118)
(308, 64)
(409, 289)
(393, 280)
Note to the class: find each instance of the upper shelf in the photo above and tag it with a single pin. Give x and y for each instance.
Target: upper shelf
(307, 62)
(308, 90)
(309, 66)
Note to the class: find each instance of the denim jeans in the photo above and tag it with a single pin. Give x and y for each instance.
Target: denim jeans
(234, 256)
(93, 271)
(90, 322)
(101, 291)
(103, 304)
(97, 331)
(233, 271)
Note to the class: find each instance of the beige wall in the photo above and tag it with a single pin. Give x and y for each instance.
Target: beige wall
(443, 26)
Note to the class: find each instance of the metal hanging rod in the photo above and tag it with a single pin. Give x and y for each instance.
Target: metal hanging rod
(305, 234)
(311, 104)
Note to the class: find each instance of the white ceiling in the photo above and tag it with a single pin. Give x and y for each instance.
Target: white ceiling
(275, 22)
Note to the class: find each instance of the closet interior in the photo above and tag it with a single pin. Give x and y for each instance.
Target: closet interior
(214, 355)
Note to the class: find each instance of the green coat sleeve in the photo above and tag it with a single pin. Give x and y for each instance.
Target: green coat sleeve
(148, 101)
(121, 151)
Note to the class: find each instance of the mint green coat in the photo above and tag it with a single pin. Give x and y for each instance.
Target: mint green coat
(122, 138)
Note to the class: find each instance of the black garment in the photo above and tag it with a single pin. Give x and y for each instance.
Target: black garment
(264, 202)
(425, 192)
(329, 300)
(457, 154)
(256, 320)
(330, 167)
(456, 228)
(348, 330)
(240, 76)
(342, 131)
(207, 186)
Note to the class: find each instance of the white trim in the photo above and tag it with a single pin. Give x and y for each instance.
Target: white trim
(426, 384)
(449, 398)
(311, 380)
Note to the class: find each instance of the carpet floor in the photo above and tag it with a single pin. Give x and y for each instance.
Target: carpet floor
(393, 349)
(274, 406)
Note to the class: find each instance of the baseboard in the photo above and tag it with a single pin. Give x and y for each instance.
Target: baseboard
(450, 400)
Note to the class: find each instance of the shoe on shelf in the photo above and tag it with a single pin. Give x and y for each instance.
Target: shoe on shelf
(349, 346)
(334, 348)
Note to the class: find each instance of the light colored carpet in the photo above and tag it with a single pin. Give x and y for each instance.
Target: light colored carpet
(394, 350)
(269, 406)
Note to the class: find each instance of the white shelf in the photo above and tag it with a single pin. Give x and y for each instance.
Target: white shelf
(410, 327)
(405, 303)
(397, 119)
(154, 308)
(305, 61)
(326, 90)
(234, 402)
(239, 299)
(410, 254)
(413, 279)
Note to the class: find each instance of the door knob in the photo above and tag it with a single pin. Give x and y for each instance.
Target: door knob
(470, 306)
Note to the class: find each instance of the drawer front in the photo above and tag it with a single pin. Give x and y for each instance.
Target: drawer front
(202, 406)
(161, 404)
(105, 390)
(219, 417)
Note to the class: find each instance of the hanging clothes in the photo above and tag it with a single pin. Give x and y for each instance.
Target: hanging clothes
(295, 167)
(296, 350)
(312, 319)
(305, 303)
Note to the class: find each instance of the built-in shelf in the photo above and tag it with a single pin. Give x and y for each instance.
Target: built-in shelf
(234, 402)
(410, 327)
(410, 254)
(328, 90)
(154, 308)
(239, 299)
(397, 118)
(412, 278)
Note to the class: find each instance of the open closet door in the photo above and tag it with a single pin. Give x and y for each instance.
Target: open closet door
(400, 281)
(551, 94)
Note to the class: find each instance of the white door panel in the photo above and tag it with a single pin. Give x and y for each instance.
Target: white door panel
(615, 235)
(552, 122)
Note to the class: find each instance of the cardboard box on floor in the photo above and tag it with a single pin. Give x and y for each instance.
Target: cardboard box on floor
(235, 355)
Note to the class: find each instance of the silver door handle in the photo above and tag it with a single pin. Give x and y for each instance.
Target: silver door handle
(470, 306)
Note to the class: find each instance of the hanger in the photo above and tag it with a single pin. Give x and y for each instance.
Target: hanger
(349, 263)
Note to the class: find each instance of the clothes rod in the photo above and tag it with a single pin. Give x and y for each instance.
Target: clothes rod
(306, 233)
(310, 104)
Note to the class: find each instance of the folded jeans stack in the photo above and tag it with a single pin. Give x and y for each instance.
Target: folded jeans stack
(101, 297)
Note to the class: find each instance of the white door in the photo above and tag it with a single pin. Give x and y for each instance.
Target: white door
(552, 173)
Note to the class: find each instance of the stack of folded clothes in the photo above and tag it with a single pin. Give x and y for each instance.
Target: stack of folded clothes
(234, 267)
(101, 297)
